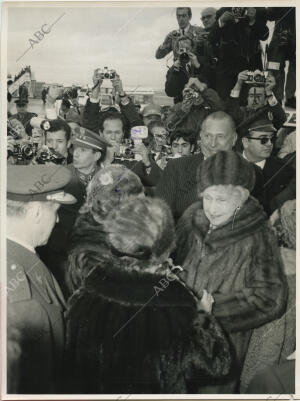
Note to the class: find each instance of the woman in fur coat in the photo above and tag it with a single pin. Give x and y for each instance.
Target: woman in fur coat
(230, 256)
(133, 327)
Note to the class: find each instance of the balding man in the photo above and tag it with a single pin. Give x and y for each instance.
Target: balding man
(178, 184)
(208, 18)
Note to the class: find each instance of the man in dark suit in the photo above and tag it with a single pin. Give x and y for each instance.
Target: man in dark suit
(36, 304)
(178, 184)
(276, 174)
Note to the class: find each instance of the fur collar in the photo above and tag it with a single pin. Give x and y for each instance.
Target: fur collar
(248, 220)
(114, 283)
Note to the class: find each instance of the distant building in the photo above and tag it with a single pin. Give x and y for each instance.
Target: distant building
(36, 88)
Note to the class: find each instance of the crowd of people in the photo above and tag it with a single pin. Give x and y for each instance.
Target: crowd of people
(153, 250)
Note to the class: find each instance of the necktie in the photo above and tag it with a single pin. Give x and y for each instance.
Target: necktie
(182, 32)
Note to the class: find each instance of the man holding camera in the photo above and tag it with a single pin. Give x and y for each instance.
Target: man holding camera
(235, 38)
(112, 130)
(93, 115)
(187, 65)
(184, 15)
(198, 102)
(261, 101)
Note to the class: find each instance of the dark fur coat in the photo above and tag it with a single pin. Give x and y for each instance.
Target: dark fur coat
(239, 264)
(128, 334)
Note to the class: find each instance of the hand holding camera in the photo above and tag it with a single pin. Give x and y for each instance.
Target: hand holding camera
(242, 77)
(196, 84)
(193, 58)
(118, 85)
(270, 84)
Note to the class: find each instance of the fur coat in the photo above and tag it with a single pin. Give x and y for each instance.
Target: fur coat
(239, 264)
(134, 332)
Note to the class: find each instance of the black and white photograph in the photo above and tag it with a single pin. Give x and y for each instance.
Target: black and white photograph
(148, 224)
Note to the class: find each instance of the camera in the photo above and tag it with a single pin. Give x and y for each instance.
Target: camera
(23, 151)
(126, 151)
(257, 77)
(191, 93)
(49, 155)
(105, 73)
(183, 55)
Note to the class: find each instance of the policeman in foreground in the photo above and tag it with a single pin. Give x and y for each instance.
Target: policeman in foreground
(35, 302)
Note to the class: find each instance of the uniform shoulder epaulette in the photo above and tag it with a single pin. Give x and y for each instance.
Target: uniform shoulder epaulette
(17, 286)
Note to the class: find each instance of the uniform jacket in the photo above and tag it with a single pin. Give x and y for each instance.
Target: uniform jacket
(37, 311)
(239, 264)
(194, 118)
(170, 44)
(157, 351)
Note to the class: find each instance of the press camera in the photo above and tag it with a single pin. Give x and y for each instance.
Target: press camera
(105, 73)
(257, 77)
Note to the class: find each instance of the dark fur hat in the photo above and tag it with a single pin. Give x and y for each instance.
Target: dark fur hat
(226, 168)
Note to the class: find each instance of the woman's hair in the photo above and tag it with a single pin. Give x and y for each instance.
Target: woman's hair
(141, 228)
(108, 187)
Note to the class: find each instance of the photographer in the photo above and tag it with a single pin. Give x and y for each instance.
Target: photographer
(235, 38)
(93, 115)
(112, 130)
(261, 102)
(198, 102)
(186, 66)
(184, 15)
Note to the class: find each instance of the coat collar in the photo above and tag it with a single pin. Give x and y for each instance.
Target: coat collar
(249, 219)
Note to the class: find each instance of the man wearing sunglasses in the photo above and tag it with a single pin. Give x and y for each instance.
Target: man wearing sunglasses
(258, 144)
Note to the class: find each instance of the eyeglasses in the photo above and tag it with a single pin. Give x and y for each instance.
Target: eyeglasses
(206, 16)
(263, 140)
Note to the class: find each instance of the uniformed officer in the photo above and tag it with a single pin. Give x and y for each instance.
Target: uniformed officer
(36, 304)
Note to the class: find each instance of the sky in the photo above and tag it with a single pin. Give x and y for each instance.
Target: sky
(85, 38)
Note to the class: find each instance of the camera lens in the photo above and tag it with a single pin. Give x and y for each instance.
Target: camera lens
(106, 75)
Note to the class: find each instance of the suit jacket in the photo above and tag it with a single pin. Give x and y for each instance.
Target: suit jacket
(36, 307)
(178, 183)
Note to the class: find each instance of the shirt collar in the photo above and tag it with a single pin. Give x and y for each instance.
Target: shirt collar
(260, 164)
(29, 247)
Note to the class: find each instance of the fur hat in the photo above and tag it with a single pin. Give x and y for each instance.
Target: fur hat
(109, 186)
(141, 228)
(226, 168)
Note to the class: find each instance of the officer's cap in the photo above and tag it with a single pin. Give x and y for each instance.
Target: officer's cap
(39, 183)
